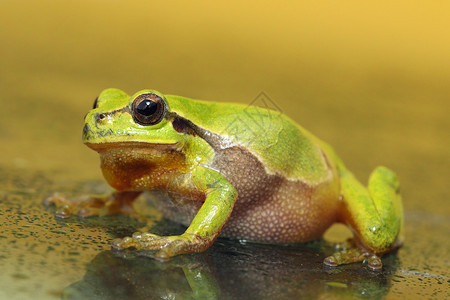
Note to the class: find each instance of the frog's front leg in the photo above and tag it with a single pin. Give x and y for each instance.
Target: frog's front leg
(375, 214)
(118, 202)
(204, 228)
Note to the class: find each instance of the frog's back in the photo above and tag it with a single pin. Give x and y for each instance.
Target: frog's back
(281, 145)
(287, 188)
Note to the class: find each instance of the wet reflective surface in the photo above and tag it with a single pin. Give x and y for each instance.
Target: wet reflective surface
(46, 257)
(378, 92)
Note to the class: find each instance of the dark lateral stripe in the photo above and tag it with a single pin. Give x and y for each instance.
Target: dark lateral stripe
(183, 125)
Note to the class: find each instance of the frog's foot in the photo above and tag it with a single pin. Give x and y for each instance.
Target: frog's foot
(354, 255)
(95, 205)
(375, 214)
(166, 246)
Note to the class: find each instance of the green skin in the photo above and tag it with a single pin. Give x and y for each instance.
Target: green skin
(282, 147)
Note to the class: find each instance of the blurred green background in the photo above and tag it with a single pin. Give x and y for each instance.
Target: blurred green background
(371, 79)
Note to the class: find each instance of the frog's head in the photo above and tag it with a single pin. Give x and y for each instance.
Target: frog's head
(118, 119)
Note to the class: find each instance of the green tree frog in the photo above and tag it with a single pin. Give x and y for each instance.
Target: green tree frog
(238, 171)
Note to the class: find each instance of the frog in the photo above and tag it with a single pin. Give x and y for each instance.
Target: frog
(232, 170)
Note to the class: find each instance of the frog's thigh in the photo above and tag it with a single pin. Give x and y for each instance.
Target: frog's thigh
(376, 213)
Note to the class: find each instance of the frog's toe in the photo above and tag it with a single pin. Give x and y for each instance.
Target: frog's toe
(351, 256)
(144, 236)
(64, 207)
(56, 200)
(172, 248)
(141, 240)
(331, 261)
(166, 246)
(64, 212)
(124, 243)
(374, 262)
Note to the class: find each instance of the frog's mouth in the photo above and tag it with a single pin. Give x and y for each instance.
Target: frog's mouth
(123, 141)
(163, 147)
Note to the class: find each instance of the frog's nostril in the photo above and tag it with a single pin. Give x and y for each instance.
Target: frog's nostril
(100, 117)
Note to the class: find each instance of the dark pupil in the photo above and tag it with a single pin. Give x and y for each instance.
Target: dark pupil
(146, 108)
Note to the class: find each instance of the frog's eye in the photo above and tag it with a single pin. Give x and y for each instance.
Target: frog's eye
(95, 103)
(148, 109)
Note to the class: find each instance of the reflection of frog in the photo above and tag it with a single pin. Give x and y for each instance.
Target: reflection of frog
(229, 270)
(243, 171)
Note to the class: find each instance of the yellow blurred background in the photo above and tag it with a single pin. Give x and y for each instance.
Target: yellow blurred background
(372, 79)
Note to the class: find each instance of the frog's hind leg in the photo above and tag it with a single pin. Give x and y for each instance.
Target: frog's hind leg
(375, 214)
